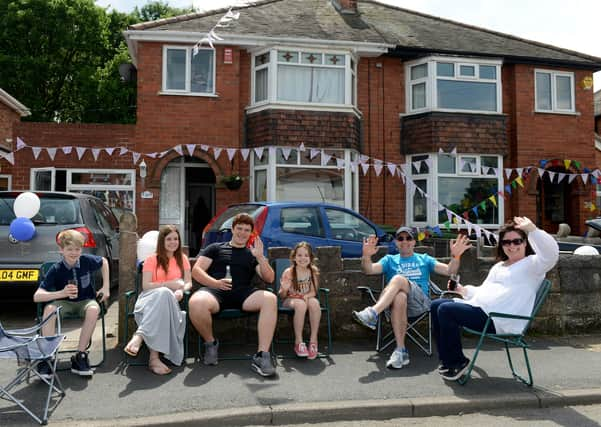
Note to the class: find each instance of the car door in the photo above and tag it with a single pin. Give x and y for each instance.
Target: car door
(109, 226)
(347, 230)
(298, 224)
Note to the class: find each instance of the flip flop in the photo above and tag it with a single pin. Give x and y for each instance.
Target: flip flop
(129, 352)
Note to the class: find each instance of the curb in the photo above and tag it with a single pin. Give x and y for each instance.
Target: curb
(347, 410)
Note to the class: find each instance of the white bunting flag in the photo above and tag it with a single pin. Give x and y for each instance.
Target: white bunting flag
(20, 144)
(363, 158)
(571, 177)
(519, 171)
(36, 152)
(10, 158)
(325, 158)
(216, 152)
(80, 152)
(508, 172)
(95, 153)
(391, 168)
(153, 155)
(286, 152)
(440, 151)
(314, 152)
(541, 172)
(454, 152)
(429, 162)
(245, 152)
(231, 152)
(67, 150)
(135, 157)
(123, 150)
(551, 176)
(560, 177)
(364, 167)
(51, 152)
(301, 147)
(191, 148)
(179, 150)
(259, 152)
(584, 177)
(378, 166)
(340, 163)
(109, 150)
(204, 147)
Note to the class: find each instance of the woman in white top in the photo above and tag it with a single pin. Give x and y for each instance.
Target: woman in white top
(525, 255)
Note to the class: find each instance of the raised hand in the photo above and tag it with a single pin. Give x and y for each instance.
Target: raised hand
(459, 245)
(257, 247)
(370, 246)
(524, 223)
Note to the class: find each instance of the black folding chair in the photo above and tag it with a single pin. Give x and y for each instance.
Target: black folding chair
(386, 338)
(29, 349)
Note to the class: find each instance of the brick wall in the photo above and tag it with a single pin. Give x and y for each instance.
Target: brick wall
(8, 117)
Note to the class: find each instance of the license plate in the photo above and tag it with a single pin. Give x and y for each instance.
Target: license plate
(19, 275)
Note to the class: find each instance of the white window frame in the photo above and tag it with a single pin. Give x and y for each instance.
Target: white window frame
(431, 82)
(554, 109)
(432, 187)
(351, 178)
(350, 94)
(189, 52)
(9, 181)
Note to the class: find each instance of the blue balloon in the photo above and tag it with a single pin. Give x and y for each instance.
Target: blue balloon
(22, 229)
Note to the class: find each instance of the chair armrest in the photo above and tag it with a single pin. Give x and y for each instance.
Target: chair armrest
(508, 316)
(326, 297)
(17, 345)
(371, 292)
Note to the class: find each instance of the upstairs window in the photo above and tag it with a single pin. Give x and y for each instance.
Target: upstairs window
(554, 91)
(188, 73)
(293, 76)
(454, 85)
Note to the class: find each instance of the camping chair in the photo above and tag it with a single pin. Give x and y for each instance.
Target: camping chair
(281, 264)
(385, 339)
(230, 313)
(40, 311)
(29, 348)
(130, 302)
(509, 339)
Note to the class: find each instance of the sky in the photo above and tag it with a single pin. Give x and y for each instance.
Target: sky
(566, 24)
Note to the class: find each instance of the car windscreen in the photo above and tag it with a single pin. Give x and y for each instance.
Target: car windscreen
(52, 211)
(224, 222)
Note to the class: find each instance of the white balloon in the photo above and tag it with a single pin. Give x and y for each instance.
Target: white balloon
(586, 250)
(151, 235)
(26, 205)
(145, 248)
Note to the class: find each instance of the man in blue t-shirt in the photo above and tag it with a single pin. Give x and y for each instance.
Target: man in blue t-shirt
(407, 292)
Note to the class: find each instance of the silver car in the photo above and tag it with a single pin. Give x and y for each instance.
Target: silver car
(20, 260)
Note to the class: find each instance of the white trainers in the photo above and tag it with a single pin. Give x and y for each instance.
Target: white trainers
(366, 317)
(398, 359)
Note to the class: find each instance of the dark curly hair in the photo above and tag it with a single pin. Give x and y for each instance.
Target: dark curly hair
(511, 226)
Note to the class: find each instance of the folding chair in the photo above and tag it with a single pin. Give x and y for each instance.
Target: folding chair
(385, 339)
(231, 313)
(130, 303)
(29, 348)
(281, 264)
(40, 310)
(510, 339)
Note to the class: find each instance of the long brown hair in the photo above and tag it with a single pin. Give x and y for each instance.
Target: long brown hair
(312, 267)
(511, 226)
(162, 258)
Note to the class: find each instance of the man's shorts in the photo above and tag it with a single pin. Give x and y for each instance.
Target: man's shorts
(75, 308)
(230, 299)
(417, 301)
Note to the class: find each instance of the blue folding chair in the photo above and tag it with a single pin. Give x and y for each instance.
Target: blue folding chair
(30, 349)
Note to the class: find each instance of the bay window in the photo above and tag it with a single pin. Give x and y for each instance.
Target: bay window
(462, 183)
(305, 77)
(454, 84)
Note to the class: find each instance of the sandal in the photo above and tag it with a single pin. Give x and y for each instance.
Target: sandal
(312, 351)
(129, 351)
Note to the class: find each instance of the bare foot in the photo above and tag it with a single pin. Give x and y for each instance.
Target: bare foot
(158, 367)
(133, 346)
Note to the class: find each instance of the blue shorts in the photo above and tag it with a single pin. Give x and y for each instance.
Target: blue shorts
(230, 299)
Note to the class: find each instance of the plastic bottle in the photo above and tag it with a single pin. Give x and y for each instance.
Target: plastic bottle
(228, 274)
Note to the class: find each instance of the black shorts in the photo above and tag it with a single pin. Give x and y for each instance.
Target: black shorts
(230, 299)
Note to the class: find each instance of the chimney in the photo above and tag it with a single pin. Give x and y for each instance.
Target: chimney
(346, 7)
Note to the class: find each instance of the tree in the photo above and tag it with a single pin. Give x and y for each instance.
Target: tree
(154, 10)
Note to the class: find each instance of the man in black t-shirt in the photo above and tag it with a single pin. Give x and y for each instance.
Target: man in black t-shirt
(237, 292)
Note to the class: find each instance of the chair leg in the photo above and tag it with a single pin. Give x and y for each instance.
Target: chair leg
(464, 379)
(330, 349)
(529, 382)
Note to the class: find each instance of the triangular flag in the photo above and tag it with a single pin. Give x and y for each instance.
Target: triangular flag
(365, 167)
(508, 189)
(313, 152)
(80, 152)
(231, 152)
(191, 148)
(584, 177)
(519, 171)
(475, 210)
(571, 177)
(20, 144)
(520, 181)
(508, 172)
(123, 150)
(204, 147)
(493, 199)
(560, 177)
(301, 147)
(10, 158)
(110, 150)
(245, 152)
(325, 158)
(551, 176)
(155, 155)
(259, 152)
(339, 163)
(391, 168)
(95, 153)
(440, 151)
(286, 152)
(51, 152)
(567, 163)
(378, 168)
(67, 150)
(576, 164)
(454, 152)
(36, 152)
(135, 157)
(447, 225)
(216, 152)
(178, 149)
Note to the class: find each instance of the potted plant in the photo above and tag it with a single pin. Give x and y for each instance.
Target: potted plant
(232, 182)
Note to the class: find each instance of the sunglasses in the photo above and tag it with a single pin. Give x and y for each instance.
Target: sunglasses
(402, 239)
(515, 242)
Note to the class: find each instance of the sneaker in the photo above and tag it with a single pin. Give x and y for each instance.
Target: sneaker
(312, 351)
(44, 370)
(398, 359)
(301, 350)
(442, 369)
(366, 317)
(454, 374)
(211, 356)
(80, 364)
(262, 364)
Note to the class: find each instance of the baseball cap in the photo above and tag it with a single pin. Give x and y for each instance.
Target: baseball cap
(404, 229)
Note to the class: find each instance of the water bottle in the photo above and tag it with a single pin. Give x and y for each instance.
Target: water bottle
(228, 274)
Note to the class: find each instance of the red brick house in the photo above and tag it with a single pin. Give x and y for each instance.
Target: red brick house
(370, 91)
(11, 111)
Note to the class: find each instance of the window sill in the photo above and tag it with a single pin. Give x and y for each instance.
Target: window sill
(306, 107)
(203, 95)
(446, 110)
(561, 113)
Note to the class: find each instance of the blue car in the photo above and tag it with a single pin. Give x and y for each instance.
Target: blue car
(287, 223)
